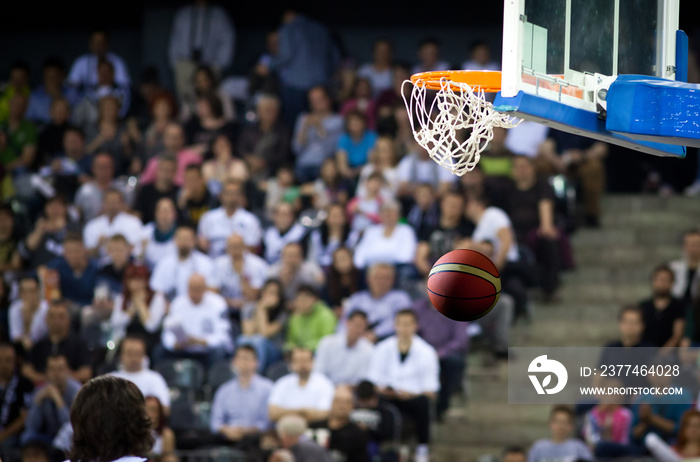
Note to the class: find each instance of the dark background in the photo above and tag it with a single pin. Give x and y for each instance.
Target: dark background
(140, 31)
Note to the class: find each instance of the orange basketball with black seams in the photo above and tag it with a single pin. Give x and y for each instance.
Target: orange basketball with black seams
(464, 285)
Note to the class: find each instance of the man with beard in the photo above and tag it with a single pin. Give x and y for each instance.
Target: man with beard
(172, 273)
(664, 315)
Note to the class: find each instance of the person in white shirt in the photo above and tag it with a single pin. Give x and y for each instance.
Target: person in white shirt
(380, 301)
(293, 271)
(217, 225)
(172, 273)
(429, 57)
(133, 368)
(344, 357)
(379, 71)
(239, 273)
(388, 242)
(90, 195)
(686, 280)
(417, 167)
(197, 326)
(158, 239)
(114, 220)
(27, 315)
(480, 58)
(303, 392)
(406, 369)
(526, 138)
(284, 229)
(83, 73)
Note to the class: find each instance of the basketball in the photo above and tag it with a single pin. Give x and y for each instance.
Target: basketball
(464, 285)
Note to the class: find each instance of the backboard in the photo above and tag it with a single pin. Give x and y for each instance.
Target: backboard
(561, 59)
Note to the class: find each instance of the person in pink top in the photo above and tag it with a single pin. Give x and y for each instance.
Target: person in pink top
(174, 142)
(608, 421)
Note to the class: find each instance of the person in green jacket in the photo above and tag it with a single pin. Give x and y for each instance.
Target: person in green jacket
(311, 320)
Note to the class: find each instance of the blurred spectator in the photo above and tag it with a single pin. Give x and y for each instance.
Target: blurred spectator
(379, 71)
(70, 168)
(686, 281)
(132, 367)
(429, 57)
(306, 56)
(113, 220)
(207, 122)
(480, 58)
(382, 159)
(388, 105)
(311, 320)
(329, 187)
(343, 279)
(22, 136)
(161, 114)
(201, 34)
(239, 409)
(263, 323)
(355, 144)
(10, 258)
(17, 84)
(218, 224)
(164, 445)
(417, 167)
(291, 429)
(293, 271)
(239, 273)
(316, 134)
(223, 166)
(664, 315)
(424, 214)
(526, 139)
(265, 144)
(164, 186)
(405, 369)
(361, 102)
(84, 72)
(110, 134)
(582, 159)
(174, 143)
(59, 340)
(451, 227)
(261, 79)
(686, 447)
(17, 395)
(281, 188)
(498, 161)
(53, 88)
(87, 112)
(111, 272)
(50, 140)
(378, 418)
(205, 84)
(149, 91)
(560, 444)
(451, 342)
(77, 272)
(333, 233)
(159, 235)
(90, 196)
(608, 421)
(45, 241)
(196, 326)
(380, 301)
(531, 210)
(172, 273)
(303, 392)
(364, 210)
(514, 454)
(51, 402)
(343, 439)
(138, 311)
(284, 229)
(27, 314)
(344, 357)
(390, 241)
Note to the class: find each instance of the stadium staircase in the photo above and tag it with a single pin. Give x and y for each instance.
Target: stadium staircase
(614, 264)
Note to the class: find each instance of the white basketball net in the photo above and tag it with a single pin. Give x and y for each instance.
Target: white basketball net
(452, 116)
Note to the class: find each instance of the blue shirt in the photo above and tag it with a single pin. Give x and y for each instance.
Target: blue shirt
(307, 55)
(357, 151)
(44, 419)
(236, 406)
(39, 108)
(670, 407)
(76, 288)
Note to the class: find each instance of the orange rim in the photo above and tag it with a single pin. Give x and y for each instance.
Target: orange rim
(486, 81)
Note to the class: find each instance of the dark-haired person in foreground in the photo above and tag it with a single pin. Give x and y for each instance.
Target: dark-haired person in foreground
(110, 422)
(16, 396)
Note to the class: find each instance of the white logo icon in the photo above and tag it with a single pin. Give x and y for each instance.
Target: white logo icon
(542, 364)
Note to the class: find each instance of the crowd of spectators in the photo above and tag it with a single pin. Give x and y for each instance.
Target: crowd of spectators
(141, 226)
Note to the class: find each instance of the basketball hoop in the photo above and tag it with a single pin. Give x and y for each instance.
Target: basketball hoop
(457, 125)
